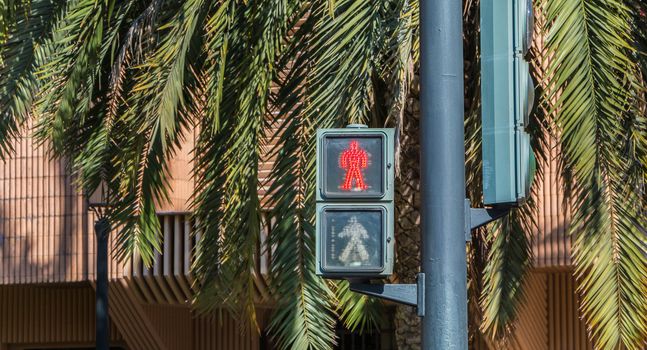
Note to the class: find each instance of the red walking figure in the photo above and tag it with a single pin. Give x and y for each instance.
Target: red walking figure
(353, 159)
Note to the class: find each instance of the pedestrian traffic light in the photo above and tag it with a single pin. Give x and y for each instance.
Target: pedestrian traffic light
(507, 92)
(354, 222)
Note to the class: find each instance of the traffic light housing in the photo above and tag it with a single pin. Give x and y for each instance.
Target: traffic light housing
(507, 93)
(354, 220)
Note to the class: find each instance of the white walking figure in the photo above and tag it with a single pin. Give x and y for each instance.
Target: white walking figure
(355, 249)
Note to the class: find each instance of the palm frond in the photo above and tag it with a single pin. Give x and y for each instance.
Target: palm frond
(508, 259)
(344, 51)
(10, 13)
(331, 82)
(18, 83)
(132, 51)
(359, 312)
(398, 66)
(303, 319)
(67, 72)
(154, 126)
(593, 79)
(244, 41)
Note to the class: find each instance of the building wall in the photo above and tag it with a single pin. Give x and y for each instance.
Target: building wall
(63, 316)
(531, 328)
(49, 314)
(548, 317)
(46, 231)
(221, 331)
(566, 329)
(46, 235)
(551, 244)
(42, 221)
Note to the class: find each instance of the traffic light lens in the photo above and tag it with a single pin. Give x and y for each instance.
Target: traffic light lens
(353, 239)
(354, 166)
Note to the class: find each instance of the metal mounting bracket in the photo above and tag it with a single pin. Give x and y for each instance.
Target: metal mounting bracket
(477, 217)
(408, 294)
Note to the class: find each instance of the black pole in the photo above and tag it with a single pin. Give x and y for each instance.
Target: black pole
(102, 231)
(442, 162)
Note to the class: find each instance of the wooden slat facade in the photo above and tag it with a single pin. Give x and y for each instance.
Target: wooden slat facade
(530, 330)
(566, 330)
(180, 174)
(62, 316)
(551, 244)
(49, 314)
(43, 221)
(221, 331)
(127, 312)
(548, 317)
(46, 234)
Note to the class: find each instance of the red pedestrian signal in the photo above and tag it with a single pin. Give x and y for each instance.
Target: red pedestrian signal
(353, 166)
(353, 159)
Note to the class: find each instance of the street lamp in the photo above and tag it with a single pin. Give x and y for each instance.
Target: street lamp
(98, 203)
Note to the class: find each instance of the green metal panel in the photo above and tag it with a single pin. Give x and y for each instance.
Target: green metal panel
(524, 88)
(505, 85)
(356, 210)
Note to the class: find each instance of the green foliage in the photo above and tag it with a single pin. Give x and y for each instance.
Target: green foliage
(603, 139)
(21, 35)
(508, 259)
(359, 312)
(304, 317)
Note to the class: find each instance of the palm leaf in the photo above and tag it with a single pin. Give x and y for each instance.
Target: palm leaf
(508, 259)
(153, 126)
(303, 318)
(67, 72)
(359, 312)
(234, 112)
(593, 79)
(18, 83)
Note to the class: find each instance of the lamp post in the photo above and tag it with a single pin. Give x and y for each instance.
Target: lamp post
(98, 203)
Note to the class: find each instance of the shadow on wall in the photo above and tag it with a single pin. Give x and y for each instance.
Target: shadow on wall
(43, 231)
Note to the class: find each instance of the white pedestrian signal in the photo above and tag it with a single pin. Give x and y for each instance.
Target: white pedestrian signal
(355, 253)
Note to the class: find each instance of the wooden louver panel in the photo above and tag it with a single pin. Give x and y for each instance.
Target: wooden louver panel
(169, 279)
(51, 314)
(43, 236)
(566, 330)
(551, 243)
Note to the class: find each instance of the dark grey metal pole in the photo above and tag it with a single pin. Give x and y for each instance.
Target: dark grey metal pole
(442, 154)
(102, 232)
